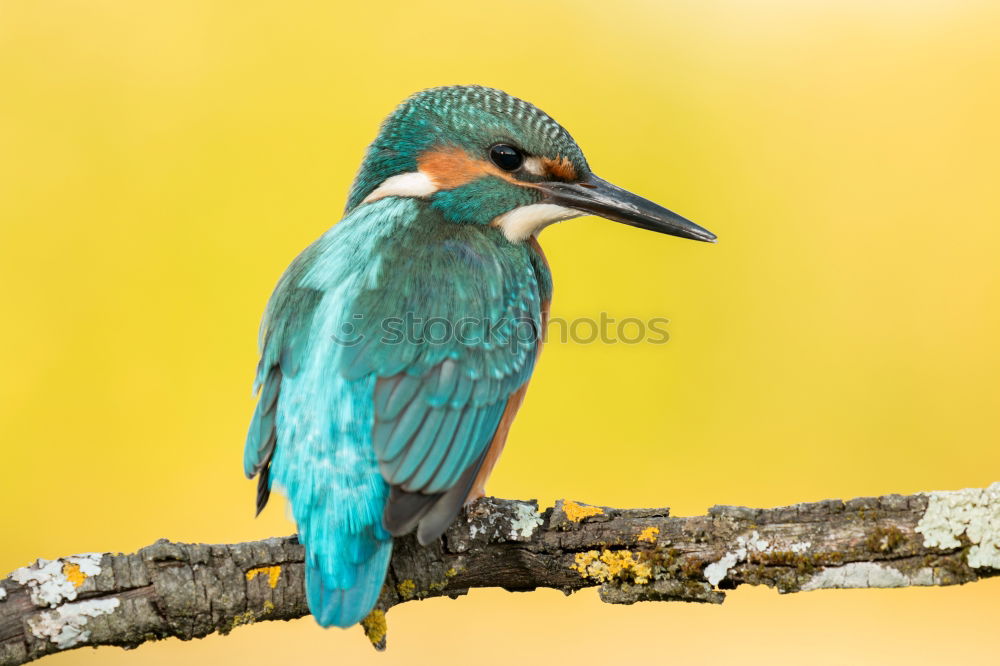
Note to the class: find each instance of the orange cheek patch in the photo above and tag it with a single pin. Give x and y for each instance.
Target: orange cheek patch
(450, 167)
(561, 168)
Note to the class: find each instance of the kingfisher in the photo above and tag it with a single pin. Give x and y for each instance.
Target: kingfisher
(396, 349)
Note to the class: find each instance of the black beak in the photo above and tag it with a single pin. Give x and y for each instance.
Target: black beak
(596, 196)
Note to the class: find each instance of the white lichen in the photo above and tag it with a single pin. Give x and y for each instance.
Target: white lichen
(716, 571)
(65, 625)
(3, 593)
(866, 574)
(974, 512)
(526, 520)
(490, 522)
(48, 584)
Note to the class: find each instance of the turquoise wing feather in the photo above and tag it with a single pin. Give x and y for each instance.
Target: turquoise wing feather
(466, 305)
(371, 430)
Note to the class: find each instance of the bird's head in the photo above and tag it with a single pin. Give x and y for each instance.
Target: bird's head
(480, 156)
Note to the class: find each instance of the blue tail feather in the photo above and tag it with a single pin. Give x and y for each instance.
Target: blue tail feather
(338, 607)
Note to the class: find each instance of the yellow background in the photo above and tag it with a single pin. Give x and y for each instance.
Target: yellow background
(162, 162)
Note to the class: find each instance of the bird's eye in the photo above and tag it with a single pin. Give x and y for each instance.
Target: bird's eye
(506, 157)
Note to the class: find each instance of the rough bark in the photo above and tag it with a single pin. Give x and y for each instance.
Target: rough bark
(192, 590)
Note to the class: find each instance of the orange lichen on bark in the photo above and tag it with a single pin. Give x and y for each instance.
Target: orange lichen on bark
(610, 565)
(273, 574)
(74, 574)
(649, 534)
(577, 512)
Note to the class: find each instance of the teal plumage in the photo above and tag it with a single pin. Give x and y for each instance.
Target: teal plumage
(312, 426)
(396, 347)
(463, 115)
(422, 413)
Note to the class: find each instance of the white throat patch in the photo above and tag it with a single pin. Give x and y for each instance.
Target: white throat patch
(525, 221)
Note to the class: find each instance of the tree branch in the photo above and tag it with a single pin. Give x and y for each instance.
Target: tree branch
(192, 590)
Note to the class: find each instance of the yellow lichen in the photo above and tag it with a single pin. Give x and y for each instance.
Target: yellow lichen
(406, 589)
(273, 574)
(451, 572)
(243, 618)
(73, 574)
(577, 512)
(649, 534)
(249, 616)
(375, 626)
(610, 565)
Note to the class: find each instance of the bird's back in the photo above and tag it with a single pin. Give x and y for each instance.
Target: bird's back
(375, 411)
